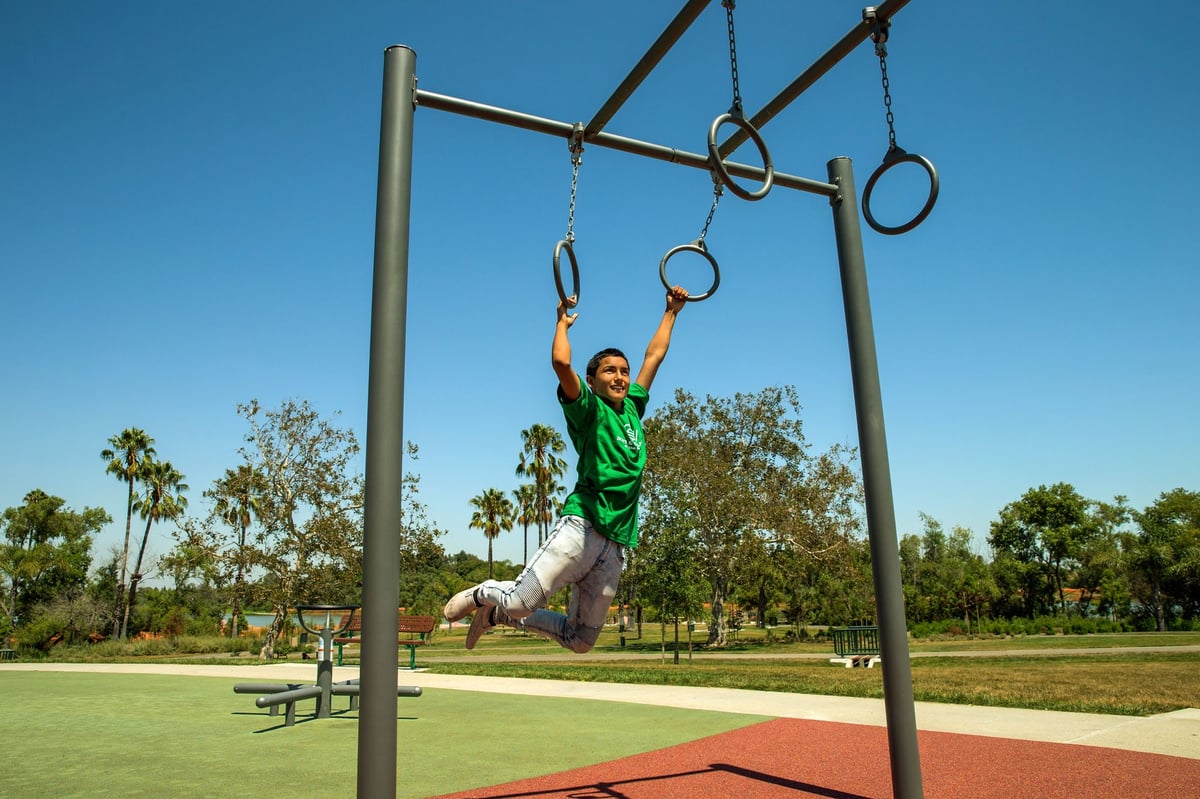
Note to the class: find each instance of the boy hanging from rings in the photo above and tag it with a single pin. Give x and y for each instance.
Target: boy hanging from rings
(599, 519)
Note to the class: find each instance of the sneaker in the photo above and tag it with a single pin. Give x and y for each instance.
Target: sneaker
(465, 601)
(485, 619)
(461, 604)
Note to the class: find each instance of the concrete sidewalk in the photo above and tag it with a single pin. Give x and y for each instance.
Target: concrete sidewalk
(1176, 733)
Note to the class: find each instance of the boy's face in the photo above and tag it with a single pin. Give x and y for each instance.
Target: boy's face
(611, 381)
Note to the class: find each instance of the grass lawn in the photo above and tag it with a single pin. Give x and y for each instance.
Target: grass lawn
(1132, 685)
(118, 735)
(1122, 674)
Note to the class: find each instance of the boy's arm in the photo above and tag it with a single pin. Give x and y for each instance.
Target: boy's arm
(560, 352)
(656, 350)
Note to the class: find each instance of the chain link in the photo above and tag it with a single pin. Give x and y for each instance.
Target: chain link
(718, 190)
(576, 146)
(736, 109)
(880, 35)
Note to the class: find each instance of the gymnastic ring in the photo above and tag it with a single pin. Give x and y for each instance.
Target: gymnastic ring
(718, 165)
(895, 156)
(558, 284)
(695, 246)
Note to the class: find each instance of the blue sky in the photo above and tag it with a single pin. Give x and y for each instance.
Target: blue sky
(187, 198)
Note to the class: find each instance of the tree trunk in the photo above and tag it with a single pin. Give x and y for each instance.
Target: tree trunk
(134, 579)
(274, 631)
(119, 612)
(762, 604)
(237, 583)
(1160, 613)
(718, 631)
(676, 661)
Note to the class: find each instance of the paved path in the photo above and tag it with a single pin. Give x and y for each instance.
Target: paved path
(554, 653)
(1176, 733)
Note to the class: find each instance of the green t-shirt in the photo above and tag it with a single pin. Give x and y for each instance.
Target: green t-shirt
(612, 455)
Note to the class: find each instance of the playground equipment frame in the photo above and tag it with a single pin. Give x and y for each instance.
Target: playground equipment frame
(377, 737)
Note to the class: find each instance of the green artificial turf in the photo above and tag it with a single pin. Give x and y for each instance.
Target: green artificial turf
(125, 735)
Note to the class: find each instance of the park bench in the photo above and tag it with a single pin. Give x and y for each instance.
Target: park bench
(411, 631)
(856, 646)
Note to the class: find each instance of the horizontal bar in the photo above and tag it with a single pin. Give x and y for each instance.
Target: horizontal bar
(856, 36)
(263, 687)
(686, 16)
(504, 116)
(294, 695)
(354, 688)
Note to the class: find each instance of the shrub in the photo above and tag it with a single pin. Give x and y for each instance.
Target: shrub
(41, 634)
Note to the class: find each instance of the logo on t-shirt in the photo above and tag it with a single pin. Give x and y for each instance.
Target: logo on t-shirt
(632, 441)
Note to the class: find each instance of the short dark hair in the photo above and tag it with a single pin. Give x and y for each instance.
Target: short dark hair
(600, 356)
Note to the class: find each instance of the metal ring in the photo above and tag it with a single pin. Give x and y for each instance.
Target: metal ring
(302, 609)
(695, 246)
(898, 156)
(558, 284)
(718, 165)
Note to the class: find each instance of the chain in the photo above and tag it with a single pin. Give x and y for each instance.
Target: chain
(880, 36)
(736, 109)
(718, 190)
(576, 146)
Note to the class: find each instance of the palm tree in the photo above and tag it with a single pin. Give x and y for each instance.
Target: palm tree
(551, 504)
(526, 497)
(494, 513)
(237, 501)
(539, 460)
(163, 499)
(127, 452)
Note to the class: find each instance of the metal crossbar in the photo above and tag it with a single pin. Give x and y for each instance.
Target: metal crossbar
(385, 400)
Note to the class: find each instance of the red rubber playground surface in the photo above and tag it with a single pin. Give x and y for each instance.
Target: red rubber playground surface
(801, 758)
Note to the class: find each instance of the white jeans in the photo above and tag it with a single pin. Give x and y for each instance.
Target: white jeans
(576, 555)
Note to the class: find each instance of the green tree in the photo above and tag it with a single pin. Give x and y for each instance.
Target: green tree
(45, 554)
(1165, 555)
(309, 534)
(729, 468)
(673, 584)
(424, 580)
(125, 455)
(1101, 576)
(539, 461)
(162, 499)
(235, 499)
(943, 578)
(527, 511)
(1043, 534)
(831, 588)
(493, 514)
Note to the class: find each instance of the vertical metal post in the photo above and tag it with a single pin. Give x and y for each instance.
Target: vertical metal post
(325, 673)
(877, 482)
(385, 433)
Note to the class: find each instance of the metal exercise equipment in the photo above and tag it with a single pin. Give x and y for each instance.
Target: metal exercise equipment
(720, 172)
(385, 403)
(567, 244)
(895, 155)
(697, 246)
(288, 694)
(738, 118)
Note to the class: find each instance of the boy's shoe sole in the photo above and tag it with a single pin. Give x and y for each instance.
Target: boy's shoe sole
(480, 625)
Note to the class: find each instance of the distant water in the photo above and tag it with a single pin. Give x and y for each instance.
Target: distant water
(315, 620)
